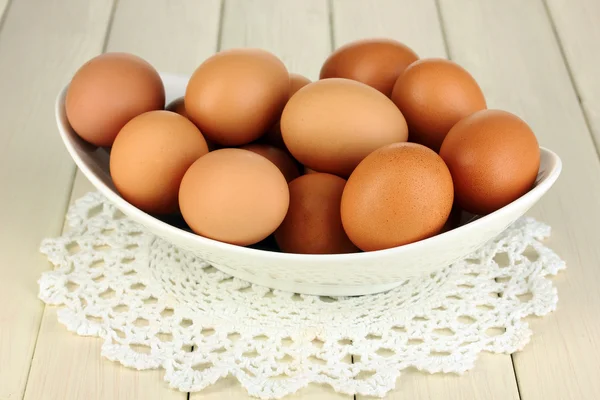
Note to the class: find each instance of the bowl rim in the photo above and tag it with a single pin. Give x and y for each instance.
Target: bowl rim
(156, 224)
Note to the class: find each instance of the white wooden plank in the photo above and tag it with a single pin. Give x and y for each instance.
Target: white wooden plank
(295, 31)
(41, 45)
(578, 30)
(412, 22)
(298, 33)
(416, 24)
(174, 36)
(511, 48)
(66, 366)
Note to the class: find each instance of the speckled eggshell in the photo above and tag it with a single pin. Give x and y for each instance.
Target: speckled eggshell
(150, 156)
(236, 95)
(494, 158)
(332, 124)
(107, 92)
(280, 158)
(375, 62)
(399, 194)
(313, 224)
(235, 196)
(433, 95)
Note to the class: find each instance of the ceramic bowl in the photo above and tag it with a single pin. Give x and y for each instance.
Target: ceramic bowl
(327, 275)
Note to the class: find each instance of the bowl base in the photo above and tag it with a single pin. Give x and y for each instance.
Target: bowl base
(309, 288)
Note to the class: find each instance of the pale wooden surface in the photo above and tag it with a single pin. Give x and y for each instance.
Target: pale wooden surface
(531, 58)
(526, 73)
(41, 45)
(67, 369)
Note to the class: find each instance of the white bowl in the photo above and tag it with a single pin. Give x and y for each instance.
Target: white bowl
(327, 275)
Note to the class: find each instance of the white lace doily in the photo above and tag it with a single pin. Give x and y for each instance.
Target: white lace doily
(156, 306)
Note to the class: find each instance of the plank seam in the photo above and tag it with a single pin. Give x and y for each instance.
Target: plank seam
(221, 23)
(449, 55)
(512, 360)
(330, 8)
(332, 46)
(565, 60)
(440, 17)
(65, 208)
(3, 16)
(109, 26)
(70, 186)
(219, 41)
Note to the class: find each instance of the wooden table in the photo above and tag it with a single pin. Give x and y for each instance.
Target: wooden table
(538, 59)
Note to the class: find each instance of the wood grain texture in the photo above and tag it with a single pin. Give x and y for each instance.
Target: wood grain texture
(66, 366)
(298, 33)
(41, 45)
(416, 24)
(295, 31)
(510, 48)
(578, 29)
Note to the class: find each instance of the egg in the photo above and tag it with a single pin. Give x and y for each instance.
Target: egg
(234, 196)
(236, 95)
(273, 135)
(280, 158)
(150, 156)
(332, 124)
(375, 62)
(494, 158)
(398, 194)
(177, 106)
(309, 171)
(313, 224)
(107, 92)
(297, 82)
(433, 95)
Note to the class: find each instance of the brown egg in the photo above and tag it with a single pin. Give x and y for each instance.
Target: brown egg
(375, 62)
(313, 224)
(280, 158)
(234, 196)
(434, 94)
(177, 106)
(400, 193)
(236, 95)
(107, 92)
(332, 124)
(297, 82)
(273, 135)
(494, 158)
(150, 156)
(309, 171)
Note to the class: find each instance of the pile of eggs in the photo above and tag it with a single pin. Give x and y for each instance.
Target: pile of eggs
(377, 153)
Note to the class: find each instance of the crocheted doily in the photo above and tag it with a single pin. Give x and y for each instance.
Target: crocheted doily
(156, 306)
